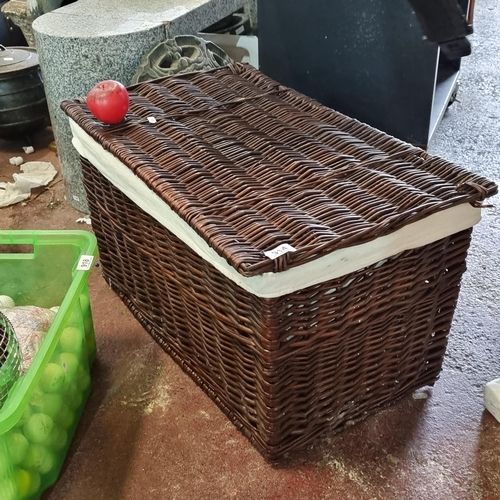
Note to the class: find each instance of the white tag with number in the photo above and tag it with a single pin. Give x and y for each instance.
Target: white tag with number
(85, 262)
(278, 251)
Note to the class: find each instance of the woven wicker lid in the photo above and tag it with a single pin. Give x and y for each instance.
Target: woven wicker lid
(251, 165)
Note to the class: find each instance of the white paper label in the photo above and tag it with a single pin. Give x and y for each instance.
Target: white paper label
(278, 251)
(239, 30)
(151, 119)
(85, 262)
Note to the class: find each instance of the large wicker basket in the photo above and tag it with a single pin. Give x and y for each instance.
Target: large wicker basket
(302, 267)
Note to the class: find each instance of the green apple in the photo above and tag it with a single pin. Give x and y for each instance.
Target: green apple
(37, 400)
(71, 340)
(24, 417)
(23, 481)
(85, 302)
(8, 490)
(53, 378)
(88, 325)
(65, 418)
(4, 465)
(70, 391)
(50, 404)
(48, 464)
(76, 317)
(83, 378)
(69, 363)
(17, 446)
(76, 400)
(35, 458)
(58, 439)
(35, 483)
(38, 428)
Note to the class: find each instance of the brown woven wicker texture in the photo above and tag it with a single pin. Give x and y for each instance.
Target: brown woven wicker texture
(249, 165)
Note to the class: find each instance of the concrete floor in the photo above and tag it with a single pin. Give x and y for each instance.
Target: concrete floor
(149, 432)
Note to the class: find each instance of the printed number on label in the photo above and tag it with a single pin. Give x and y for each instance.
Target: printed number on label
(85, 263)
(278, 251)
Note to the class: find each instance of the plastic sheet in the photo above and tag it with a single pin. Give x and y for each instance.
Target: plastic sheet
(30, 323)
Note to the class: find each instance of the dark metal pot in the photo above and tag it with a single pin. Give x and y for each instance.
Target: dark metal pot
(23, 107)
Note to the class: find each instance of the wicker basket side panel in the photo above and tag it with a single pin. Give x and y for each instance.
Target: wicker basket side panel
(290, 369)
(210, 326)
(352, 345)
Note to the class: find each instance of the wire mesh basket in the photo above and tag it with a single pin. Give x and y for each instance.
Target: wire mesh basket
(10, 358)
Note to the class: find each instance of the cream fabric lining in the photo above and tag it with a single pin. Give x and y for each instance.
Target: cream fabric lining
(268, 285)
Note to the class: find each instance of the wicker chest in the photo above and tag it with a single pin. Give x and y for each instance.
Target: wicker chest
(302, 267)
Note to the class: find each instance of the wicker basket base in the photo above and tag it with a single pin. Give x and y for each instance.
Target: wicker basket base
(289, 369)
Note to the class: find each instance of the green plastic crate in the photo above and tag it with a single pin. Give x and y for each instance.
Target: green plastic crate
(41, 413)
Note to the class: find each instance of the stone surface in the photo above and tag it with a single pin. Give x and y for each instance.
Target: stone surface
(93, 40)
(70, 68)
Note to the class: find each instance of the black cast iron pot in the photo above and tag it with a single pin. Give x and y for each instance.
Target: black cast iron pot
(23, 107)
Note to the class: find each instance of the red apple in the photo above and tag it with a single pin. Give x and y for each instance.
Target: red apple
(108, 101)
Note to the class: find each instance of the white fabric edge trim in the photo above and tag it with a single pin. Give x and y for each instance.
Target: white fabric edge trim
(270, 285)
